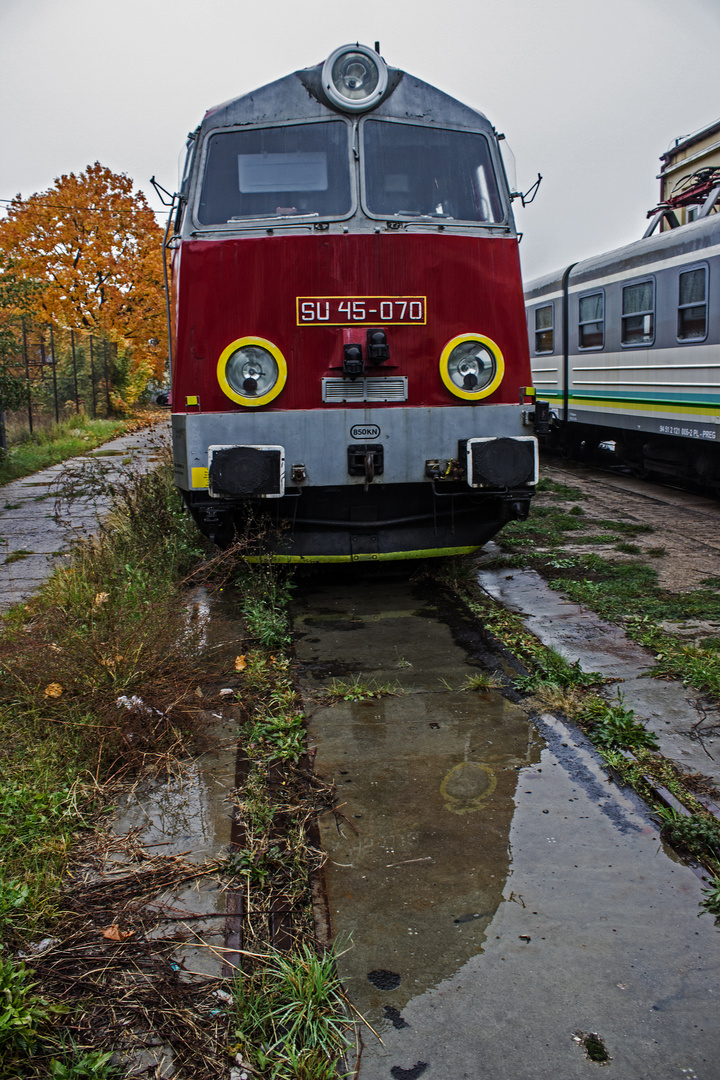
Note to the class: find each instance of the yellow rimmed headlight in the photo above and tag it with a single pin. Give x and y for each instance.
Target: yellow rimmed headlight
(471, 366)
(252, 371)
(354, 77)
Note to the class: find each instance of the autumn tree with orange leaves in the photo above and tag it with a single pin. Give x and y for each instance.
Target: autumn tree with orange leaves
(93, 249)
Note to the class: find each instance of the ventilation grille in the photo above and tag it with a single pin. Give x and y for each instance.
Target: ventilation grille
(382, 388)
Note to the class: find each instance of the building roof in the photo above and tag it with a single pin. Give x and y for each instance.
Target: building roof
(686, 141)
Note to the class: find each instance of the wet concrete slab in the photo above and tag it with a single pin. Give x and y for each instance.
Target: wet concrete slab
(597, 933)
(188, 815)
(688, 728)
(33, 538)
(502, 898)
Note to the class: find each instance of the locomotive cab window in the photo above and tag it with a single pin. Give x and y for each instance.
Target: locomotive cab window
(291, 171)
(544, 329)
(692, 305)
(591, 321)
(421, 172)
(638, 313)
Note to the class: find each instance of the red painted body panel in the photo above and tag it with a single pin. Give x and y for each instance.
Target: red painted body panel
(231, 288)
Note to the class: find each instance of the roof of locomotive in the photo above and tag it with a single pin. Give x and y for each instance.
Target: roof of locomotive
(299, 96)
(686, 239)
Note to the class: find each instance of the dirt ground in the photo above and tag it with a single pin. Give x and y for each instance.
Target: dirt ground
(686, 524)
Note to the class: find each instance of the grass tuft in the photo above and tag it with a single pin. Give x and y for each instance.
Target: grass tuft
(266, 589)
(613, 726)
(358, 690)
(22, 1012)
(482, 681)
(551, 668)
(711, 903)
(290, 1017)
(698, 835)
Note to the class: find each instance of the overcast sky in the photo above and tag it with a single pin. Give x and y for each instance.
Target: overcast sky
(588, 92)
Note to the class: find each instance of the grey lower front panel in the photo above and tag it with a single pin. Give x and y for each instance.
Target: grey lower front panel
(329, 505)
(319, 438)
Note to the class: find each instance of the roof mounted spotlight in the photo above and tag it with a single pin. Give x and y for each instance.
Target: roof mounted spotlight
(354, 78)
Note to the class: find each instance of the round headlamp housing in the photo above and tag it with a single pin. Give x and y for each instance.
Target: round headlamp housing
(354, 78)
(471, 366)
(252, 371)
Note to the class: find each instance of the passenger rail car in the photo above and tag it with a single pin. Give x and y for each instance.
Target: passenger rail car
(347, 327)
(626, 348)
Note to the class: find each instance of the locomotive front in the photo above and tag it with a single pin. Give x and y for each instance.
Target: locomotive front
(349, 352)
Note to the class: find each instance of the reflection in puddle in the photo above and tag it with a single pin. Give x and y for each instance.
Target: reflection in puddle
(419, 858)
(197, 618)
(467, 786)
(179, 815)
(418, 864)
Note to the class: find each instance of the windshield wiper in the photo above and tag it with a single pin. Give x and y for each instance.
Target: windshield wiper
(271, 217)
(414, 214)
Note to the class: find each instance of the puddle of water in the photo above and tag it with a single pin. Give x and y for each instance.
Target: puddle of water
(426, 777)
(501, 895)
(384, 620)
(189, 816)
(421, 853)
(198, 619)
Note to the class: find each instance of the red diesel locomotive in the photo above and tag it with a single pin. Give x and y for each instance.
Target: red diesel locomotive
(349, 352)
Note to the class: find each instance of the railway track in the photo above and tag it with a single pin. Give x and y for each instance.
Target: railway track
(685, 523)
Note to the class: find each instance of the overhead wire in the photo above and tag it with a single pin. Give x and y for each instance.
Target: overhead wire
(88, 209)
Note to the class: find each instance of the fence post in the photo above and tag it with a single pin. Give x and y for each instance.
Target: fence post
(92, 377)
(77, 396)
(107, 381)
(54, 367)
(27, 375)
(41, 336)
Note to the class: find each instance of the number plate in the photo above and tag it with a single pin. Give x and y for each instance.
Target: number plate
(361, 310)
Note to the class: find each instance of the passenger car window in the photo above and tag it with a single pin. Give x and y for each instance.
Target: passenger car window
(692, 305)
(422, 172)
(296, 170)
(638, 313)
(544, 329)
(591, 321)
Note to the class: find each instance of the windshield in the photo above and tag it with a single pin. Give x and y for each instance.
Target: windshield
(417, 171)
(302, 169)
